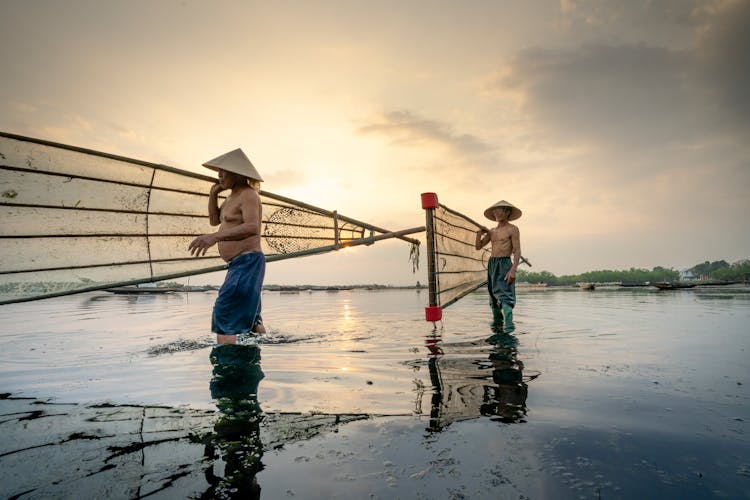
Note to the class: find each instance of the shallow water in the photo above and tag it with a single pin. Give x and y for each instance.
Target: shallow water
(610, 393)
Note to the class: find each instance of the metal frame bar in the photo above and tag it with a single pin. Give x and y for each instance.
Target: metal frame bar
(270, 258)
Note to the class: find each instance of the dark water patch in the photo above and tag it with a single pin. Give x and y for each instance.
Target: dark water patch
(606, 464)
(195, 455)
(103, 469)
(117, 451)
(81, 435)
(114, 405)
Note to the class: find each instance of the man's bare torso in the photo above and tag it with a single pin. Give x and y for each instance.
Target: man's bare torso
(231, 216)
(502, 242)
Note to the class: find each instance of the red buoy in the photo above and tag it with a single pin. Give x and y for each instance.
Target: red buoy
(433, 313)
(429, 200)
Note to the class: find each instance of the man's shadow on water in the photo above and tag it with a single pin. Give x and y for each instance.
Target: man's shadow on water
(462, 388)
(236, 438)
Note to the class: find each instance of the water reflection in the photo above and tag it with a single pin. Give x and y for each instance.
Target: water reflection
(473, 379)
(506, 398)
(236, 439)
(178, 453)
(234, 450)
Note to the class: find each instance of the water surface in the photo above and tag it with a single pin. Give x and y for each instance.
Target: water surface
(606, 394)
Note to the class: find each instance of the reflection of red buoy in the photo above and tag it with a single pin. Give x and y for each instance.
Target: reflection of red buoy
(433, 345)
(433, 313)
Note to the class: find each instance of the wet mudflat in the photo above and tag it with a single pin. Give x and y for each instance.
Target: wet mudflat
(614, 393)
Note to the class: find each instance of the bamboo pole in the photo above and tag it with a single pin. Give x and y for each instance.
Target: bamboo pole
(351, 243)
(431, 265)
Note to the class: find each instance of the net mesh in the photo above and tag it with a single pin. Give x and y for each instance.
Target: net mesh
(290, 229)
(76, 220)
(459, 268)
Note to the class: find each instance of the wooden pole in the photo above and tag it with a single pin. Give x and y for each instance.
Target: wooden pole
(433, 311)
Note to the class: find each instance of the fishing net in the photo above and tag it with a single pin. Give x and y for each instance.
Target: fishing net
(456, 267)
(291, 229)
(77, 220)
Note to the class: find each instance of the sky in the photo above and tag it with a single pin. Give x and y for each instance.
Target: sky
(621, 129)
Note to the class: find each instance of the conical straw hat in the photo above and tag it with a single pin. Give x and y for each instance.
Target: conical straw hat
(514, 214)
(234, 161)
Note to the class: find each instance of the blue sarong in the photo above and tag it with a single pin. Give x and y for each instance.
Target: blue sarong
(500, 291)
(237, 308)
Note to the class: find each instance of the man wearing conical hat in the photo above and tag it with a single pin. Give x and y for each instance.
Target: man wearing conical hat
(503, 262)
(237, 307)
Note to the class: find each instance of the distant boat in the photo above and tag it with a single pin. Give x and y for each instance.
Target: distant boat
(149, 288)
(587, 286)
(634, 283)
(673, 285)
(526, 284)
(141, 290)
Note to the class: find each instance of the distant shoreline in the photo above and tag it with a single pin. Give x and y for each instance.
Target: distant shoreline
(304, 288)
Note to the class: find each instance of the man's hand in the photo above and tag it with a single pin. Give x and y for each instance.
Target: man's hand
(201, 244)
(216, 189)
(510, 277)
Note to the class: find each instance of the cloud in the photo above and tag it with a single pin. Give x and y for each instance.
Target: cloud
(408, 129)
(619, 95)
(721, 53)
(637, 95)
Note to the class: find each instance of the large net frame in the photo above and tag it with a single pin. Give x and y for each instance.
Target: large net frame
(455, 267)
(76, 220)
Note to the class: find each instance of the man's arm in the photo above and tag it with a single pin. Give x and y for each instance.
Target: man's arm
(515, 241)
(483, 237)
(213, 205)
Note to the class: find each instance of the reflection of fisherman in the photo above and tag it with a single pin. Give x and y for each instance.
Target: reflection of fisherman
(237, 308)
(507, 399)
(234, 386)
(501, 271)
(460, 390)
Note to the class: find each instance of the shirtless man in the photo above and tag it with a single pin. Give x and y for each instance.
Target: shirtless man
(501, 271)
(237, 307)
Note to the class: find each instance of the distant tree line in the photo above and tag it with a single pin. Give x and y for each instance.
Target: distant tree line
(721, 270)
(708, 268)
(718, 270)
(632, 275)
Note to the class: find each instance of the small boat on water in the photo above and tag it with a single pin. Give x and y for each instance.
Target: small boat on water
(149, 288)
(633, 284)
(673, 285)
(587, 286)
(136, 290)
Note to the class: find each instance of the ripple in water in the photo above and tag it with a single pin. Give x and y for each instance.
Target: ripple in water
(184, 345)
